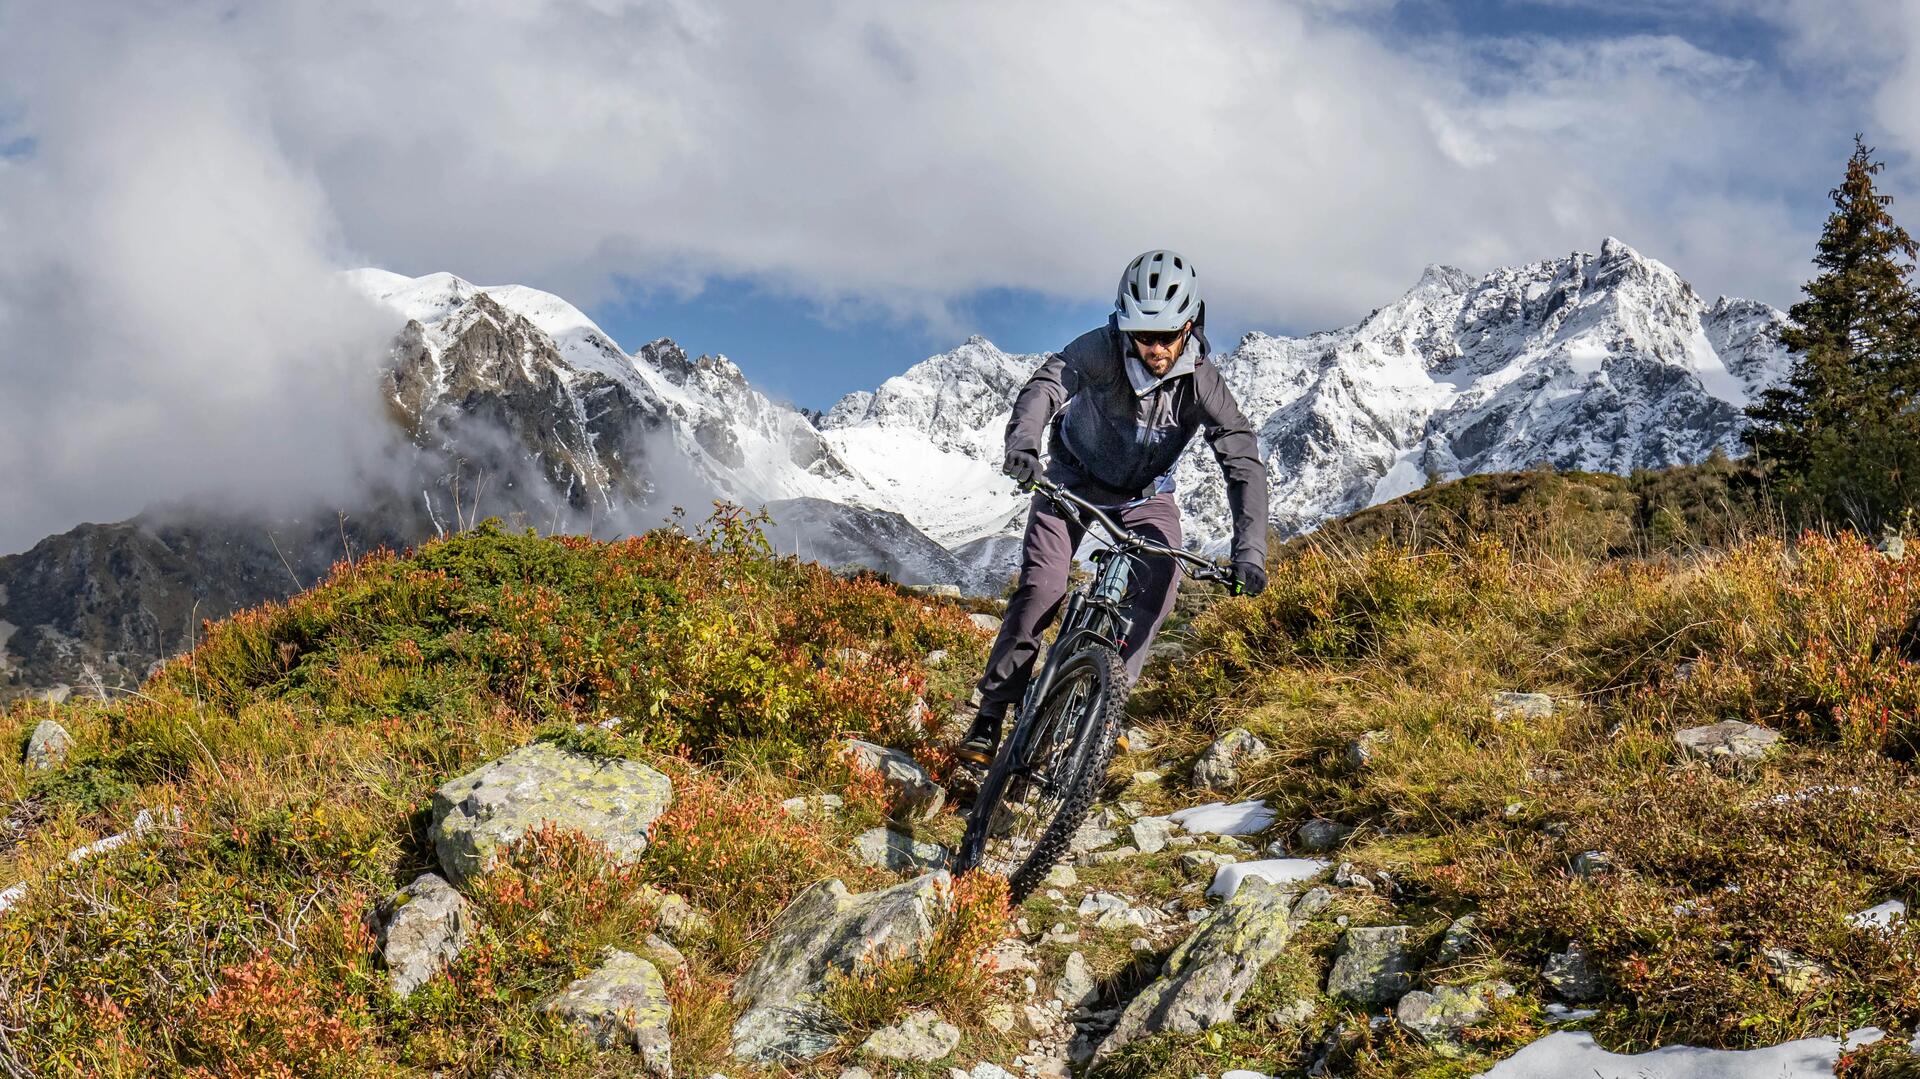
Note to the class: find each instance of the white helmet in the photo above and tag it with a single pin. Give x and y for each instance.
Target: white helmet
(1157, 293)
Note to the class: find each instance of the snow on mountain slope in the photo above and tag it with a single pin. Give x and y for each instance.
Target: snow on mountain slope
(1605, 362)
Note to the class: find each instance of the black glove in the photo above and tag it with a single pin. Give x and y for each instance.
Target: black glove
(1249, 578)
(1023, 466)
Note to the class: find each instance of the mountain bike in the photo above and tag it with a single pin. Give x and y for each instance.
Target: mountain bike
(1043, 781)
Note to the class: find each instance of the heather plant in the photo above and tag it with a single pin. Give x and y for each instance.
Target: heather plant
(300, 743)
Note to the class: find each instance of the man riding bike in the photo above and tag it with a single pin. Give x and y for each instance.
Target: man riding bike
(1119, 404)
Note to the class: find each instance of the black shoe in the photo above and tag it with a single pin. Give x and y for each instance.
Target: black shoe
(983, 737)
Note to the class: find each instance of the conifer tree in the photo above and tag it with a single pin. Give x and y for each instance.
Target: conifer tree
(1841, 440)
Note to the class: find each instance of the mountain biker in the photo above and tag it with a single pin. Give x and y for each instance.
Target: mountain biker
(1119, 405)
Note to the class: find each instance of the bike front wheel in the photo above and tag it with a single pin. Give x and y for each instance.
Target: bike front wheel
(1040, 787)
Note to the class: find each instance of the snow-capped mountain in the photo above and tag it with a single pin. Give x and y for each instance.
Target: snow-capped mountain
(1609, 362)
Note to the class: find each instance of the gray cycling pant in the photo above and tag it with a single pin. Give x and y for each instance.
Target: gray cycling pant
(1046, 554)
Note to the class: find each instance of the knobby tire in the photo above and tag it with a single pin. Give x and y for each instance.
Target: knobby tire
(1099, 732)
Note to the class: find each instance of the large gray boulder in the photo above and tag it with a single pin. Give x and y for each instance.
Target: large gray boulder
(623, 1002)
(612, 802)
(47, 746)
(914, 793)
(826, 928)
(1218, 769)
(1205, 977)
(419, 930)
(1373, 966)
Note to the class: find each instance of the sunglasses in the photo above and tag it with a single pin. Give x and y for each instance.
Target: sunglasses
(1158, 338)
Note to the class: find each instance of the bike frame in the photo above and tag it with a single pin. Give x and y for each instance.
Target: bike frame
(1094, 614)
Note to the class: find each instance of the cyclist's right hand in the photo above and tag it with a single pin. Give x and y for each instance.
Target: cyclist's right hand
(1023, 466)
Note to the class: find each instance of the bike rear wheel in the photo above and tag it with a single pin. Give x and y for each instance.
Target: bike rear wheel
(1040, 787)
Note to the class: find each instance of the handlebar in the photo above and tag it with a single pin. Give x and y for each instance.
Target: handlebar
(1072, 505)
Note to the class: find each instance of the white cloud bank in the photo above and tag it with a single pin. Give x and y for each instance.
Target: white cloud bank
(167, 324)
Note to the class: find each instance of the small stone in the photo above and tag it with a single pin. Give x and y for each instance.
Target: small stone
(1146, 778)
(884, 848)
(1728, 739)
(1373, 966)
(48, 746)
(914, 794)
(985, 621)
(1137, 739)
(663, 952)
(1349, 877)
(1446, 1011)
(813, 806)
(1062, 876)
(1181, 842)
(922, 1037)
(1794, 973)
(622, 1003)
(1457, 941)
(1296, 1014)
(935, 657)
(1108, 857)
(1076, 987)
(419, 930)
(1203, 863)
(1090, 837)
(1150, 834)
(1592, 863)
(1140, 944)
(1319, 835)
(1571, 977)
(1218, 769)
(1000, 1016)
(1011, 957)
(1530, 705)
(1361, 751)
(856, 1073)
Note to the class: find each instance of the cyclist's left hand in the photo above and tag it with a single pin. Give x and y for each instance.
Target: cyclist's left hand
(1249, 578)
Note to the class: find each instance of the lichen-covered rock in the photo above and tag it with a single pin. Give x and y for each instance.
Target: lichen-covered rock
(1218, 769)
(1728, 739)
(623, 1002)
(985, 621)
(1076, 987)
(825, 928)
(612, 802)
(1441, 1015)
(922, 1037)
(1531, 705)
(884, 848)
(1794, 973)
(47, 746)
(679, 921)
(419, 930)
(1570, 976)
(914, 794)
(1205, 977)
(1373, 966)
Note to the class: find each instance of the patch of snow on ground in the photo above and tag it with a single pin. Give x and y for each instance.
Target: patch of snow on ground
(1573, 1053)
(1272, 870)
(1879, 917)
(1219, 818)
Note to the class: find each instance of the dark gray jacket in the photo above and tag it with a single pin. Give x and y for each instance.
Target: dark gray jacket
(1111, 443)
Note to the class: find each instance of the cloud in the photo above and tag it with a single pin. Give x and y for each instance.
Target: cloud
(197, 168)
